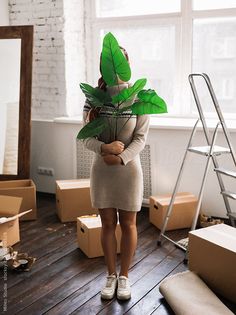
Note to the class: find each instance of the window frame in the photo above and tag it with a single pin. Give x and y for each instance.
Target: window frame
(183, 22)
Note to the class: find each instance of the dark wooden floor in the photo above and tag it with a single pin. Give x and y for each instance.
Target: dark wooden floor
(64, 281)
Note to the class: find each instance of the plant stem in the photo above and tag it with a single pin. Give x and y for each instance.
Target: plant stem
(116, 115)
(110, 130)
(125, 123)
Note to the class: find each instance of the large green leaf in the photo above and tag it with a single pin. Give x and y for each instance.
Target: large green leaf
(149, 103)
(130, 92)
(113, 62)
(93, 128)
(95, 96)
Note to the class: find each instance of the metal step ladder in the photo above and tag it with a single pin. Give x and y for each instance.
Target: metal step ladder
(211, 151)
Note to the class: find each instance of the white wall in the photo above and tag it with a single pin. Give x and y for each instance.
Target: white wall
(58, 53)
(4, 15)
(53, 145)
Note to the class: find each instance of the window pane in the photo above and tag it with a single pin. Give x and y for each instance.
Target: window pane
(151, 57)
(106, 8)
(214, 52)
(213, 4)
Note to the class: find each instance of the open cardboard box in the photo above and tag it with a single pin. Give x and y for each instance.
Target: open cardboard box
(25, 189)
(9, 219)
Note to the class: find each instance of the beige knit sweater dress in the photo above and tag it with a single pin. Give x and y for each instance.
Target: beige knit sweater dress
(118, 186)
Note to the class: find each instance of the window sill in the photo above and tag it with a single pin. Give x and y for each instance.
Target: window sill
(161, 123)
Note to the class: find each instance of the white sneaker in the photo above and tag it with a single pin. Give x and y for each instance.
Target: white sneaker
(123, 291)
(109, 289)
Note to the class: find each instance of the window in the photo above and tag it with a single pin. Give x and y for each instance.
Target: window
(167, 40)
(213, 4)
(216, 54)
(121, 8)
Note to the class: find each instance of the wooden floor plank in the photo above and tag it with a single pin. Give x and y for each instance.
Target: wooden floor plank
(163, 309)
(55, 296)
(136, 272)
(145, 283)
(151, 301)
(64, 281)
(41, 248)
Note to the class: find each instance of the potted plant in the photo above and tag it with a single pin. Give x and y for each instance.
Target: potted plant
(114, 66)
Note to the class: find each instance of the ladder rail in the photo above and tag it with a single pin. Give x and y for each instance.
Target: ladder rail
(169, 209)
(199, 107)
(200, 196)
(217, 108)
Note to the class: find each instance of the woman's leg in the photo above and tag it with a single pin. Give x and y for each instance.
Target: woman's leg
(108, 237)
(128, 240)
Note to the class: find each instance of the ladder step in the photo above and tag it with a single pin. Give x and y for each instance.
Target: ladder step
(229, 194)
(217, 150)
(225, 172)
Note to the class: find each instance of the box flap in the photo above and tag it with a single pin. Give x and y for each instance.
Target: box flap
(13, 217)
(73, 183)
(19, 183)
(182, 197)
(220, 234)
(90, 221)
(9, 205)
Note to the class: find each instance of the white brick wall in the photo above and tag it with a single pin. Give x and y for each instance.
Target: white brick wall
(58, 62)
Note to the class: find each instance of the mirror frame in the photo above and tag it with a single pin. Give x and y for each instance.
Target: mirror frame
(25, 33)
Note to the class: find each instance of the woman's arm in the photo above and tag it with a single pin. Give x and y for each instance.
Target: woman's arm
(98, 146)
(139, 139)
(91, 143)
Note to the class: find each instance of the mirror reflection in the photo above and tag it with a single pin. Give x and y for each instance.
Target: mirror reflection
(10, 56)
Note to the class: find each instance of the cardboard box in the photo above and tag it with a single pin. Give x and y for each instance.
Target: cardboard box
(24, 188)
(88, 235)
(182, 212)
(212, 255)
(73, 199)
(9, 219)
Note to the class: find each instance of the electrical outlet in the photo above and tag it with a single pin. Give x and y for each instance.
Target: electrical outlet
(48, 171)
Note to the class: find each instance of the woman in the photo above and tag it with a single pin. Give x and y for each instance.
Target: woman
(117, 186)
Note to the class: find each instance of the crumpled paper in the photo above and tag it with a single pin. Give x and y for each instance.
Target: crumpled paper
(206, 221)
(14, 260)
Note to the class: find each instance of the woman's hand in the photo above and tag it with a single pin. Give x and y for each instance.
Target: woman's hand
(115, 147)
(111, 159)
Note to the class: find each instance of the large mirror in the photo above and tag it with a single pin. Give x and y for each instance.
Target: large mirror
(16, 44)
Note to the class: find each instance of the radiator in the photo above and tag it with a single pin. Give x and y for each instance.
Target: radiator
(84, 160)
